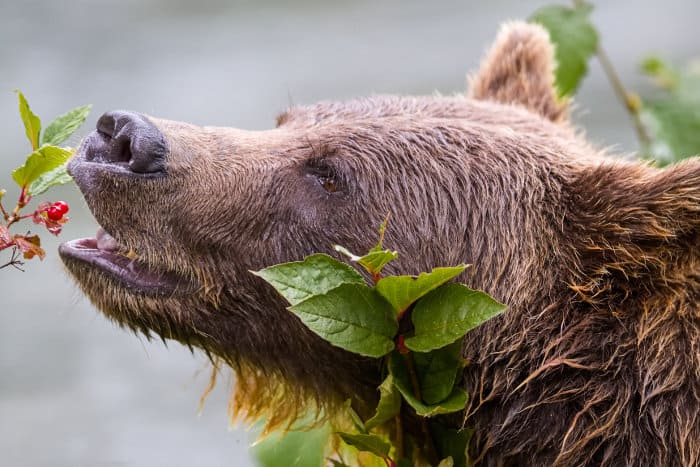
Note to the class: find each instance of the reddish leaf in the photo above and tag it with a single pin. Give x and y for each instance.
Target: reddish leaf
(30, 246)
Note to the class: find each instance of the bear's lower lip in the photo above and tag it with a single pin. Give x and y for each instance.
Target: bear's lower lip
(129, 273)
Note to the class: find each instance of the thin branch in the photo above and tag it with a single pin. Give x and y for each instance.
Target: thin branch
(4, 213)
(15, 262)
(629, 99)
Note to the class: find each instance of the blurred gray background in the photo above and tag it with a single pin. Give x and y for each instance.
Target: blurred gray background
(74, 389)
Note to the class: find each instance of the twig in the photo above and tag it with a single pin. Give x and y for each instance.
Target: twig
(15, 262)
(4, 213)
(630, 100)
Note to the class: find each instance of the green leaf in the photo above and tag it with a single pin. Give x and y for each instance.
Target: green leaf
(575, 41)
(32, 124)
(336, 463)
(58, 176)
(303, 448)
(65, 125)
(451, 442)
(382, 229)
(356, 420)
(447, 314)
(368, 443)
(455, 402)
(315, 275)
(389, 403)
(373, 261)
(447, 462)
(662, 74)
(402, 291)
(672, 115)
(353, 317)
(40, 162)
(437, 371)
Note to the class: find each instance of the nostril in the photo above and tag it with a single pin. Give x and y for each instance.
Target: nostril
(132, 139)
(106, 124)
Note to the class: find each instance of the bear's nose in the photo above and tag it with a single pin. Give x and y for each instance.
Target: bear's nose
(128, 137)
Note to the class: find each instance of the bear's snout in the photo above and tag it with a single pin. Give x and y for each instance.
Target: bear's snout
(128, 140)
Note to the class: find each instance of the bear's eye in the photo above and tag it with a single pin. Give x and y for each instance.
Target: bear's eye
(329, 183)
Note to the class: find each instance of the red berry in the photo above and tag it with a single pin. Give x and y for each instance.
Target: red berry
(62, 206)
(54, 213)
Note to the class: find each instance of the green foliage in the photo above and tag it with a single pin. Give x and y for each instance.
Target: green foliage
(333, 300)
(57, 176)
(43, 168)
(448, 313)
(367, 443)
(672, 114)
(65, 125)
(452, 442)
(32, 124)
(575, 40)
(388, 406)
(402, 291)
(39, 163)
(296, 448)
(377, 257)
(437, 371)
(667, 122)
(46, 165)
(400, 370)
(316, 275)
(353, 317)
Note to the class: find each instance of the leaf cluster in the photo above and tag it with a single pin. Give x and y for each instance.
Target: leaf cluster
(43, 168)
(422, 365)
(667, 120)
(46, 164)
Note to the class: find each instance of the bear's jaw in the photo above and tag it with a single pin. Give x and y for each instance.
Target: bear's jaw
(102, 255)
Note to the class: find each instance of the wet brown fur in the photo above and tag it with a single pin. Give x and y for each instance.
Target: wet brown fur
(596, 361)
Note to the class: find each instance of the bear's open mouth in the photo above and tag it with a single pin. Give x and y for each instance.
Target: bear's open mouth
(104, 254)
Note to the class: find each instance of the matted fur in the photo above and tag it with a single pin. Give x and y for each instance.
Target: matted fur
(597, 359)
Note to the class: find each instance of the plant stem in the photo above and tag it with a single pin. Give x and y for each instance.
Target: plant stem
(4, 213)
(630, 100)
(415, 385)
(399, 436)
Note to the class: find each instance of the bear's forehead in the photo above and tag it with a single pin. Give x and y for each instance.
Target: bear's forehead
(418, 112)
(490, 123)
(387, 106)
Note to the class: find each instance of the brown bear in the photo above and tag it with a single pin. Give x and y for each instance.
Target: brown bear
(595, 362)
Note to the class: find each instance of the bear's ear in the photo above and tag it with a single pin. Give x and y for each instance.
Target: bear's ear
(519, 69)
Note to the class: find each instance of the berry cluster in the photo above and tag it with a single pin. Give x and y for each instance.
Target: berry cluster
(50, 215)
(56, 211)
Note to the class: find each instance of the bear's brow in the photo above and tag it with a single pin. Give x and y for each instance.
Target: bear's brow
(377, 107)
